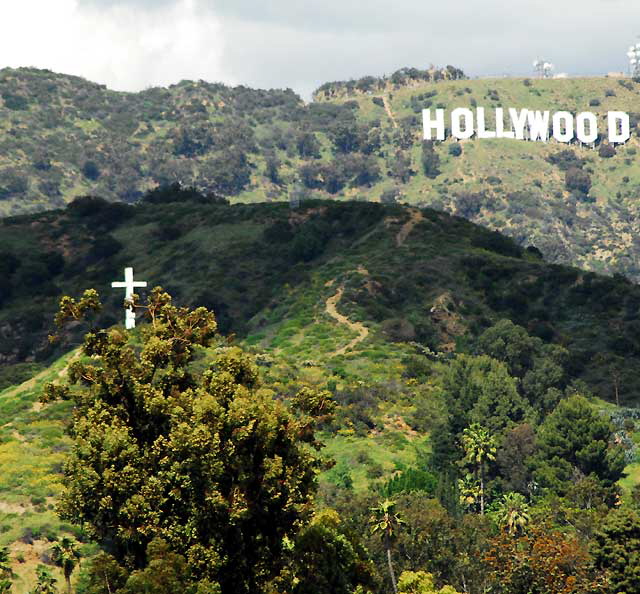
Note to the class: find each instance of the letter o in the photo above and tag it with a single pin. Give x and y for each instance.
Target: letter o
(581, 129)
(457, 115)
(559, 118)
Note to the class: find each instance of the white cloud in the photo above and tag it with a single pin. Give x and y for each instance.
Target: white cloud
(131, 44)
(124, 46)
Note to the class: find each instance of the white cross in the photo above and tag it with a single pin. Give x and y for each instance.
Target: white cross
(129, 285)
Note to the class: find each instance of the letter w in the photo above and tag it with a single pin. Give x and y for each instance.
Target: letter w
(538, 125)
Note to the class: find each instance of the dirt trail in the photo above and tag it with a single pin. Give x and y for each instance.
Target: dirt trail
(361, 329)
(405, 230)
(387, 108)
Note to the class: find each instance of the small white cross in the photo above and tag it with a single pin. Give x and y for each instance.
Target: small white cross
(129, 285)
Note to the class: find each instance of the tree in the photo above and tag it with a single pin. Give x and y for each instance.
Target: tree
(574, 441)
(421, 582)
(386, 522)
(329, 560)
(480, 449)
(91, 171)
(539, 366)
(455, 149)
(165, 572)
(272, 169)
(577, 180)
(346, 137)
(513, 513)
(542, 561)
(513, 457)
(307, 144)
(615, 549)
(430, 160)
(499, 405)
(65, 554)
(46, 582)
(208, 462)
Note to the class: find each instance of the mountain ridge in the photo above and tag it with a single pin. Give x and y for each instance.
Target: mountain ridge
(62, 137)
(269, 271)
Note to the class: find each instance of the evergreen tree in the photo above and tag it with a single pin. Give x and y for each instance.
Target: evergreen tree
(576, 441)
(513, 513)
(616, 549)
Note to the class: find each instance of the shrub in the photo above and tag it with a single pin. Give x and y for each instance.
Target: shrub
(91, 171)
(606, 150)
(577, 179)
(455, 150)
(430, 160)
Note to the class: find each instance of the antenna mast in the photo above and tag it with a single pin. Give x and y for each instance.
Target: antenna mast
(634, 60)
(543, 68)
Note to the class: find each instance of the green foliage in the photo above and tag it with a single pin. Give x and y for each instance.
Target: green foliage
(420, 582)
(410, 480)
(329, 560)
(576, 440)
(479, 450)
(512, 513)
(65, 554)
(46, 582)
(5, 570)
(537, 365)
(166, 571)
(430, 160)
(455, 149)
(210, 464)
(615, 549)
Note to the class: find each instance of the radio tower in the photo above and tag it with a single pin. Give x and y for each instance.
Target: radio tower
(634, 60)
(543, 68)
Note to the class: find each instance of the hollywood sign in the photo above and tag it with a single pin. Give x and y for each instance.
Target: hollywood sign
(525, 124)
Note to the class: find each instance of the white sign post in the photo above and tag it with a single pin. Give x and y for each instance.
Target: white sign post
(129, 285)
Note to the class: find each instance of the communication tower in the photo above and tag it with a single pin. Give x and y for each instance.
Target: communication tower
(634, 60)
(543, 68)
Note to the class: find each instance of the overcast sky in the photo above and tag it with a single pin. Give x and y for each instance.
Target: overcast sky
(133, 44)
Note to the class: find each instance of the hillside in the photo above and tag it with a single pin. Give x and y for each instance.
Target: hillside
(62, 137)
(330, 283)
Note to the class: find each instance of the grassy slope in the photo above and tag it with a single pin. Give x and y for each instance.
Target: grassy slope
(604, 234)
(263, 289)
(33, 445)
(79, 121)
(32, 449)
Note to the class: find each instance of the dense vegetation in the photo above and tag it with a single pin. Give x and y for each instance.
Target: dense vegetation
(194, 471)
(268, 271)
(62, 137)
(351, 396)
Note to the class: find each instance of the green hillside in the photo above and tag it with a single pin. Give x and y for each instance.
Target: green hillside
(61, 137)
(326, 283)
(389, 395)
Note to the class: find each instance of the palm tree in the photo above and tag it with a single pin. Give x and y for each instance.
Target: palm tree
(480, 447)
(386, 522)
(469, 490)
(46, 582)
(65, 554)
(513, 513)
